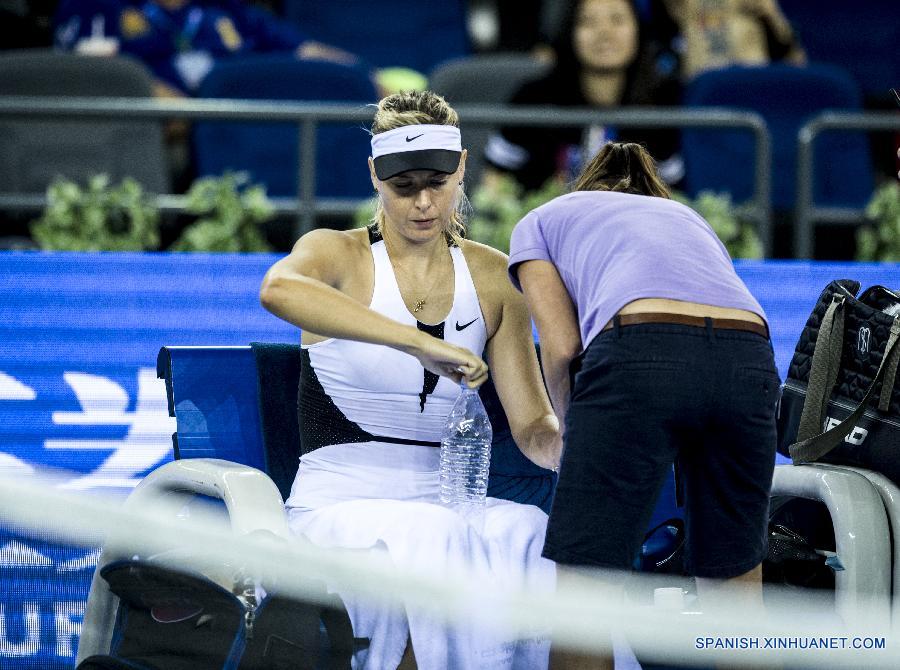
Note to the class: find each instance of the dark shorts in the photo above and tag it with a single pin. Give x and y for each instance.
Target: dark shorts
(646, 395)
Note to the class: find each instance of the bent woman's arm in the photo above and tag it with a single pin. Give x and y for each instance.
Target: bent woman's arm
(556, 319)
(304, 289)
(516, 375)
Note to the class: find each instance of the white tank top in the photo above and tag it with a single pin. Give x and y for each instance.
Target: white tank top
(358, 392)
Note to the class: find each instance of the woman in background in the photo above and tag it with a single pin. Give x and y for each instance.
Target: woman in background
(718, 33)
(602, 61)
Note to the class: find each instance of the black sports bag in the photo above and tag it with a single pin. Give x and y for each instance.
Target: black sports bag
(840, 403)
(171, 620)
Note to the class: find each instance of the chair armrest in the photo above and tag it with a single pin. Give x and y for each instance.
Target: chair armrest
(862, 538)
(251, 499)
(890, 497)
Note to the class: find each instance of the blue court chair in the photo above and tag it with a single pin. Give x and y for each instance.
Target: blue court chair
(240, 404)
(786, 97)
(269, 152)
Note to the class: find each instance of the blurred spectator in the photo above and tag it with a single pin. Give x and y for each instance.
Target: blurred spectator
(180, 40)
(535, 25)
(24, 25)
(603, 61)
(718, 33)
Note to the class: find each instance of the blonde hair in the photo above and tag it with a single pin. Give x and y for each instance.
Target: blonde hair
(622, 166)
(409, 108)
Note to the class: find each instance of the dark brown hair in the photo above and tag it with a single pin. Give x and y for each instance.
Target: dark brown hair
(625, 167)
(643, 78)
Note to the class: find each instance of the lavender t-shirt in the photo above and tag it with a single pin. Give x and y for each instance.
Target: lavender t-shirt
(613, 248)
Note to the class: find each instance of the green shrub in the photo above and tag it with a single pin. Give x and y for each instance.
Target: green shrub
(879, 239)
(230, 212)
(99, 217)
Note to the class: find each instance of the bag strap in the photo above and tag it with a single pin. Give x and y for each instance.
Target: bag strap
(826, 362)
(890, 373)
(813, 448)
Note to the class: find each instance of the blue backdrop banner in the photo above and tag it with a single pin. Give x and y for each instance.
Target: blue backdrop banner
(79, 335)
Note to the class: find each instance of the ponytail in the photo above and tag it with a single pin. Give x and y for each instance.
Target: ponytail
(625, 167)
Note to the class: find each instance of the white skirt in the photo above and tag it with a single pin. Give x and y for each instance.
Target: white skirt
(382, 496)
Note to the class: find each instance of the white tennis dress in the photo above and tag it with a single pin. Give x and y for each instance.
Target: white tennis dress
(371, 420)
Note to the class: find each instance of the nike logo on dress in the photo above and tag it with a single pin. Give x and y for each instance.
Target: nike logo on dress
(410, 139)
(465, 325)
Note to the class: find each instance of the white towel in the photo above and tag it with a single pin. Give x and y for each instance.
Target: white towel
(384, 497)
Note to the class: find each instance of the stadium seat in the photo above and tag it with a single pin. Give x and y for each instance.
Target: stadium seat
(216, 396)
(786, 97)
(867, 49)
(269, 152)
(34, 152)
(239, 404)
(488, 79)
(417, 35)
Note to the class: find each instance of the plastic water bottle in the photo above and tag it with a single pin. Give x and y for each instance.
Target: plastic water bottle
(466, 456)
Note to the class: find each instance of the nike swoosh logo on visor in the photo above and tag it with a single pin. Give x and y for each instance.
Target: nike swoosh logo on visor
(465, 325)
(410, 139)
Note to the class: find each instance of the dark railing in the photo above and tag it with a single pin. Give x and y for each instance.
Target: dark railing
(308, 116)
(807, 213)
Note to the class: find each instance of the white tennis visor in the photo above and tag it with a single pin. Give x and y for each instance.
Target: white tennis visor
(419, 147)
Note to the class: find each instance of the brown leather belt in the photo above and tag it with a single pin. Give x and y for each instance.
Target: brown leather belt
(687, 320)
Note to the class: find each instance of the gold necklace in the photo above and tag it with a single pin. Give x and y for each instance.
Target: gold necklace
(419, 302)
